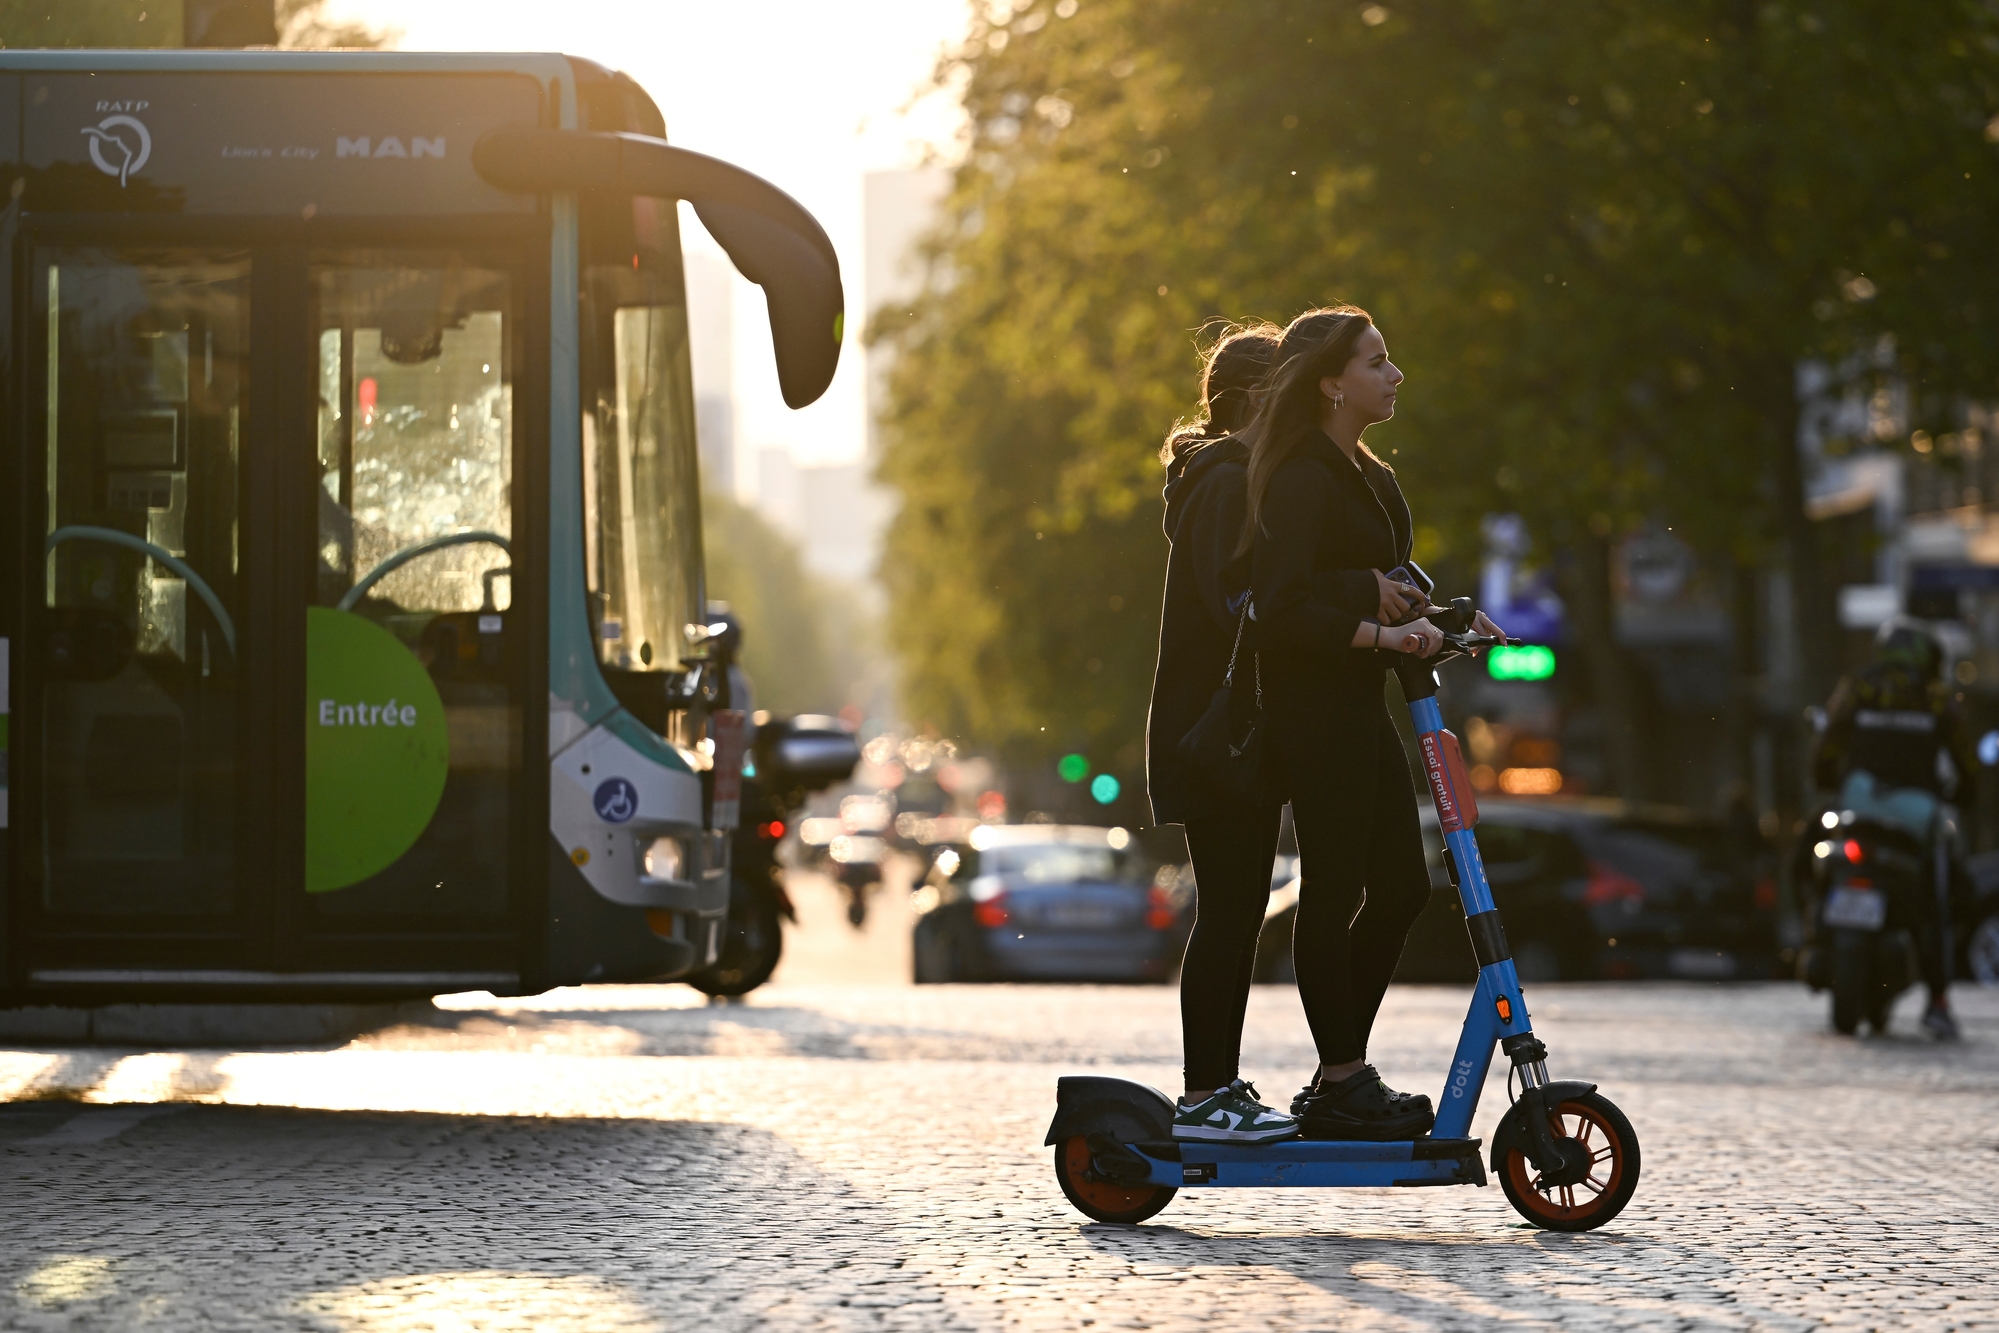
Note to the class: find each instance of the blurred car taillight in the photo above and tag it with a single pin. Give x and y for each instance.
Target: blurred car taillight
(989, 901)
(773, 830)
(1607, 885)
(1162, 913)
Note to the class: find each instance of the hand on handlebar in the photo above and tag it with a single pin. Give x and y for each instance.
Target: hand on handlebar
(1418, 636)
(1483, 626)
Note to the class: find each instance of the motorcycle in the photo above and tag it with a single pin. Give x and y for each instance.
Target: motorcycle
(790, 759)
(1882, 862)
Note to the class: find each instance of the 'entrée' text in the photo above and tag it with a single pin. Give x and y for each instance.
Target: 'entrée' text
(333, 714)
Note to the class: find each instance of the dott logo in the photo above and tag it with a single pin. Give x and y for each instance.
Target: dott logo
(616, 800)
(119, 146)
(1461, 1079)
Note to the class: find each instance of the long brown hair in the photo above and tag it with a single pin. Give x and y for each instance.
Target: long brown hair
(1316, 344)
(1231, 372)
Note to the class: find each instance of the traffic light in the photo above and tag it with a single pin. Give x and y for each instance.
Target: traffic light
(1072, 768)
(1532, 661)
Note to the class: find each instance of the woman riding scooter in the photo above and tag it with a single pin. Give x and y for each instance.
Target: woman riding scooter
(1322, 508)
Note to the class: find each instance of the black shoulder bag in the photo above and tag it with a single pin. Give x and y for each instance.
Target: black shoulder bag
(1224, 750)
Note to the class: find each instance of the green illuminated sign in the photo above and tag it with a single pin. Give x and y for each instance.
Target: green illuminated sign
(1530, 662)
(1072, 767)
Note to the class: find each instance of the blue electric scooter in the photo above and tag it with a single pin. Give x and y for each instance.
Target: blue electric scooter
(1565, 1156)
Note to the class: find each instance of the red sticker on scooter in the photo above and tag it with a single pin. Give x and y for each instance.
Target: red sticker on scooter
(1457, 808)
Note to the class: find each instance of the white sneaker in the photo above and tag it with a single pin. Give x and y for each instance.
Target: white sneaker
(1232, 1115)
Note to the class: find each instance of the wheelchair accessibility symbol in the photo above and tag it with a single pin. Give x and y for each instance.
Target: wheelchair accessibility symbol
(617, 800)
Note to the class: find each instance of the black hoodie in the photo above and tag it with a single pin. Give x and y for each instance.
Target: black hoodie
(1207, 488)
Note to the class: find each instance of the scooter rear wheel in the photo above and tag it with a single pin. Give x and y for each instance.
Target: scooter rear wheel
(1606, 1187)
(1100, 1199)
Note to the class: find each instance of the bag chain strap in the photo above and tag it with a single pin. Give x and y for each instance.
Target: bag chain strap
(1256, 659)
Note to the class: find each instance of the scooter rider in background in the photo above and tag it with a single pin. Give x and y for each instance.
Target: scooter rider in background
(1896, 720)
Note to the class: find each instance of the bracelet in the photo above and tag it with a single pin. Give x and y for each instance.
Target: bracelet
(1377, 633)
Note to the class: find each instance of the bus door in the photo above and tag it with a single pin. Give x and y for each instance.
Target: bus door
(132, 668)
(414, 656)
(279, 715)
(280, 700)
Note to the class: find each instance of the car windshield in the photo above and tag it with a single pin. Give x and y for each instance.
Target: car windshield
(1052, 863)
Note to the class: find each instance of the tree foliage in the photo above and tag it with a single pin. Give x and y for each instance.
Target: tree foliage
(1598, 238)
(785, 613)
(28, 24)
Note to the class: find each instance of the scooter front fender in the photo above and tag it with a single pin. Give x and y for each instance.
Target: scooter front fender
(1526, 1123)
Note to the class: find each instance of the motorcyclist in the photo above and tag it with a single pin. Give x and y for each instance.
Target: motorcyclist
(1897, 720)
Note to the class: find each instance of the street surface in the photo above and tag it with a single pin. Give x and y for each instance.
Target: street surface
(846, 1151)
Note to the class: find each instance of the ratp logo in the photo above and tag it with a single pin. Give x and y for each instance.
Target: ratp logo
(119, 146)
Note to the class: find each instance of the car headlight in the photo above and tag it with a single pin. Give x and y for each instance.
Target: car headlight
(665, 858)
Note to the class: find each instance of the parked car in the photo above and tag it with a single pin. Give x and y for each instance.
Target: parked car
(1588, 889)
(1048, 902)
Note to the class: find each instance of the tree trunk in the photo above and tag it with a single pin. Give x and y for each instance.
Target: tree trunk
(1593, 632)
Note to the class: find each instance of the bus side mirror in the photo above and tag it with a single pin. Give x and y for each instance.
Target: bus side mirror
(769, 236)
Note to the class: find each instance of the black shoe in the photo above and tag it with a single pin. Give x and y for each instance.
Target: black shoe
(1406, 1100)
(1363, 1107)
(1936, 1021)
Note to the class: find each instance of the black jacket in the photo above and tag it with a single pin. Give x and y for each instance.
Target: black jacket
(1205, 490)
(1893, 723)
(1327, 522)
(1206, 493)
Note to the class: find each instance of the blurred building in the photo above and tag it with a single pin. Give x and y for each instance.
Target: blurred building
(837, 512)
(711, 327)
(900, 208)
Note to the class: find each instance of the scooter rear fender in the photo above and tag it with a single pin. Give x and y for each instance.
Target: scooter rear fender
(1125, 1111)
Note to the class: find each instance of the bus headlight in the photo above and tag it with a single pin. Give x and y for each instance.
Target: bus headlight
(665, 858)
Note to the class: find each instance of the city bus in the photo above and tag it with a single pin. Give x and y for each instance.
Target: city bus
(353, 639)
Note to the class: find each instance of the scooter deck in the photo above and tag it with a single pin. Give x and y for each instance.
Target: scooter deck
(1320, 1163)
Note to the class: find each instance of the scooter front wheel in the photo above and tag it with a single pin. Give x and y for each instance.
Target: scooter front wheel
(1100, 1198)
(1607, 1183)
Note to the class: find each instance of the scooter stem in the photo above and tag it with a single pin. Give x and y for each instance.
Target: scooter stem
(1498, 1010)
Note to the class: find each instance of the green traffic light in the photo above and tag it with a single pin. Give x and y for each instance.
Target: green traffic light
(1105, 788)
(1531, 662)
(1072, 767)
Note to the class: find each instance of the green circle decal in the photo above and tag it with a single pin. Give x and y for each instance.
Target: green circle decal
(376, 749)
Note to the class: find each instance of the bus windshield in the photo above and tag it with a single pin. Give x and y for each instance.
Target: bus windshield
(641, 489)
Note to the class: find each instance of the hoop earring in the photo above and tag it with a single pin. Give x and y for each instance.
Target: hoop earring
(1339, 401)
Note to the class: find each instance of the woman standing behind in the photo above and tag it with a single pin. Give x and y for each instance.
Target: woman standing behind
(1323, 511)
(1232, 846)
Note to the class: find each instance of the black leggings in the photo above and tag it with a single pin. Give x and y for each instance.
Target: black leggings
(1365, 882)
(1233, 851)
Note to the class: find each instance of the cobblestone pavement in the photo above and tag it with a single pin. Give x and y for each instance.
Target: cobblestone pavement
(855, 1153)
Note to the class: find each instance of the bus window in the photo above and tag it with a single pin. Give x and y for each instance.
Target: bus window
(415, 435)
(415, 530)
(641, 488)
(144, 393)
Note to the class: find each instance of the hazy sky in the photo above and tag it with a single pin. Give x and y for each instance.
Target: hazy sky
(805, 93)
